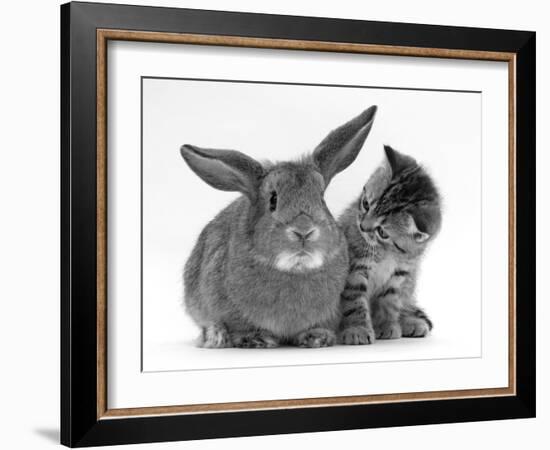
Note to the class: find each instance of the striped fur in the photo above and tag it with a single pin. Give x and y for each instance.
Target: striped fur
(355, 325)
(387, 230)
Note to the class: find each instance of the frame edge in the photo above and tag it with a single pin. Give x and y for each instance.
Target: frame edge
(65, 187)
(81, 431)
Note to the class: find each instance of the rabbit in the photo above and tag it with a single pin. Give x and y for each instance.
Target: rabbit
(269, 269)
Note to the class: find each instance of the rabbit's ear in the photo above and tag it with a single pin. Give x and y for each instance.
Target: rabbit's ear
(227, 170)
(340, 148)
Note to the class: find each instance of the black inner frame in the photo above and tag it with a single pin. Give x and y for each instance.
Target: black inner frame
(79, 424)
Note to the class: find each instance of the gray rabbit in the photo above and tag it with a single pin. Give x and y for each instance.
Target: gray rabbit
(270, 267)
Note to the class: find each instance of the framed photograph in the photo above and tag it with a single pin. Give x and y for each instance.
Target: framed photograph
(277, 224)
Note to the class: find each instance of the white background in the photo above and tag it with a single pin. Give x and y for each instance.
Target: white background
(283, 122)
(29, 173)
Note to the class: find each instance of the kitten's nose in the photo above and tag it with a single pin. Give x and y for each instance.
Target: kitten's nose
(367, 230)
(367, 225)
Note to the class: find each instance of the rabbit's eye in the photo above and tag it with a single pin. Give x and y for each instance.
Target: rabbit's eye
(366, 204)
(273, 201)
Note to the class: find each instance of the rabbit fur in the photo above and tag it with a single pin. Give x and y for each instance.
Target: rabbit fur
(270, 267)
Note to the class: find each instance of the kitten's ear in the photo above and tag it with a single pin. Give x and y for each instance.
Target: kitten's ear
(424, 223)
(398, 161)
(340, 148)
(227, 170)
(420, 237)
(415, 233)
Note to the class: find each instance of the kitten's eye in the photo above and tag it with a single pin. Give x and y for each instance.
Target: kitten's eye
(382, 233)
(366, 204)
(273, 201)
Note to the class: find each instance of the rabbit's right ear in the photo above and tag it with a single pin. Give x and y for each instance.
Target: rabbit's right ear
(340, 148)
(227, 170)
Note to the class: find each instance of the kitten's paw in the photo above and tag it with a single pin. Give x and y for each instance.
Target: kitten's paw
(315, 338)
(215, 336)
(356, 336)
(414, 327)
(388, 330)
(255, 340)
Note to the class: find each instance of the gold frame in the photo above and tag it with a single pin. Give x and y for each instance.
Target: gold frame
(104, 35)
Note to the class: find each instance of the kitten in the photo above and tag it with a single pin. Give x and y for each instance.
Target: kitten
(388, 229)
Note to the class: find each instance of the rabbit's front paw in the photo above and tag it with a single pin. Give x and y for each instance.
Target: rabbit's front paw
(254, 339)
(215, 336)
(388, 330)
(357, 336)
(315, 338)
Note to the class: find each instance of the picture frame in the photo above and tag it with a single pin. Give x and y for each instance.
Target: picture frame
(86, 29)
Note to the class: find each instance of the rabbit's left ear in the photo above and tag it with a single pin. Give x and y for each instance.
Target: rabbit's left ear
(340, 148)
(227, 170)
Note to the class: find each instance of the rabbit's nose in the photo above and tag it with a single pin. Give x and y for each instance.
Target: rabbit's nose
(296, 234)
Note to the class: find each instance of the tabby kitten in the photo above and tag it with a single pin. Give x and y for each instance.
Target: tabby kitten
(388, 229)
